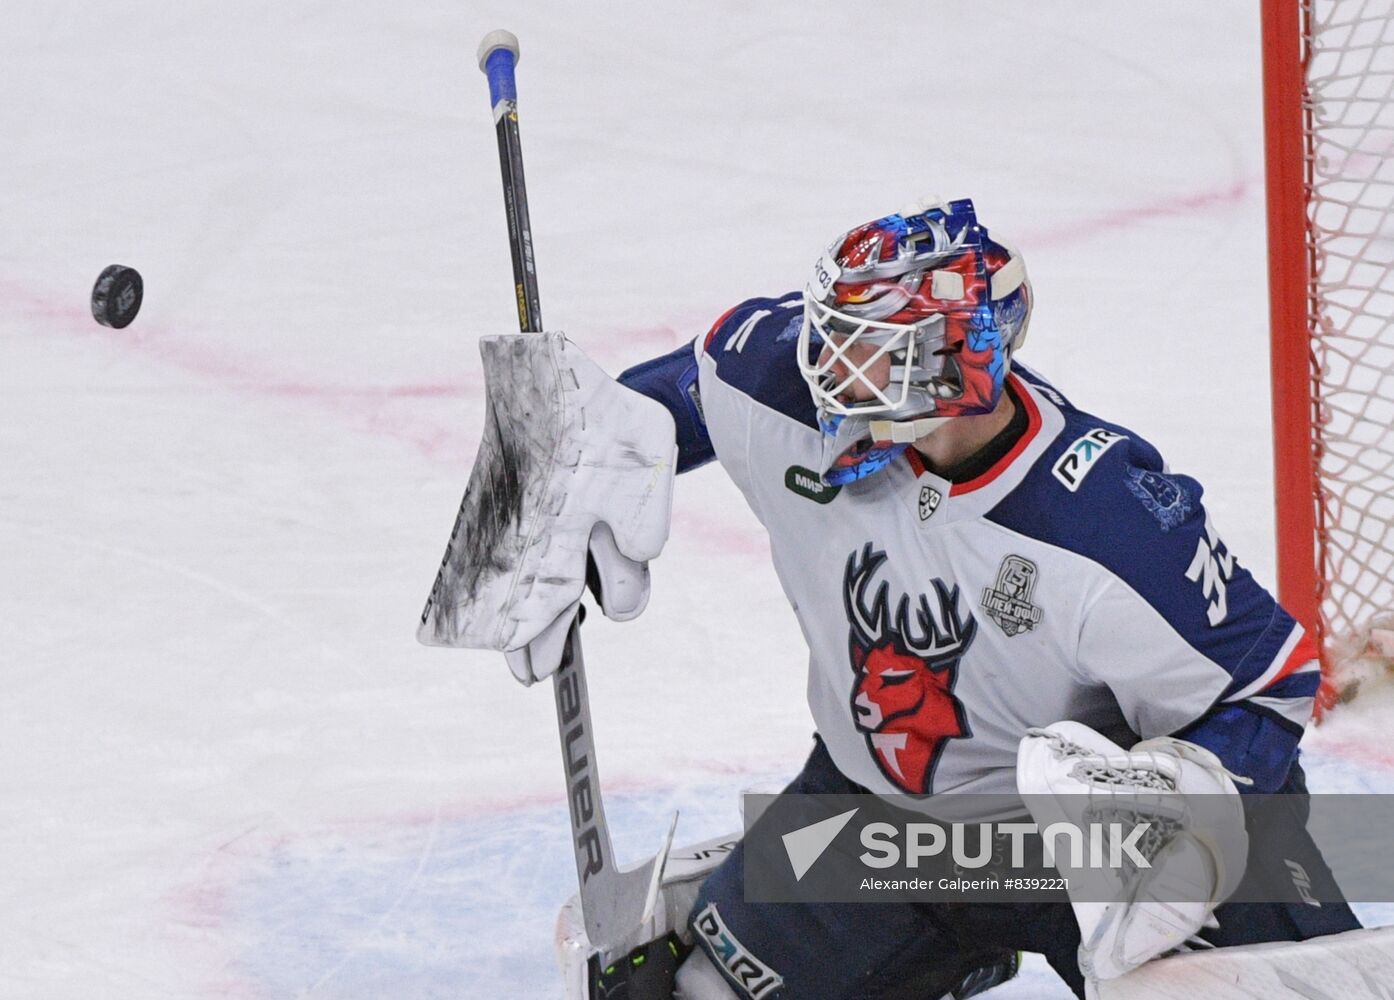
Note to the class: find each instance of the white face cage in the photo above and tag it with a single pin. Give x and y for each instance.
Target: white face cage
(910, 348)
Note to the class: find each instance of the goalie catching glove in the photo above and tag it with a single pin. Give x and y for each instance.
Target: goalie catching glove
(1196, 844)
(573, 470)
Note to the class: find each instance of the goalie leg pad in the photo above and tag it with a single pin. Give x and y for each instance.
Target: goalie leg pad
(1282, 851)
(698, 979)
(1356, 965)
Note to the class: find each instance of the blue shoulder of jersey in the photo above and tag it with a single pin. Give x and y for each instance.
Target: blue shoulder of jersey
(755, 349)
(1103, 492)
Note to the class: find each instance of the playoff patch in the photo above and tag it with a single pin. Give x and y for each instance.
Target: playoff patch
(1009, 602)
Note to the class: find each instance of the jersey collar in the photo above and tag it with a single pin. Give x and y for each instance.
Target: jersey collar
(977, 496)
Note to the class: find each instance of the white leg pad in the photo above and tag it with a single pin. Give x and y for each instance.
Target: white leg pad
(1356, 965)
(699, 979)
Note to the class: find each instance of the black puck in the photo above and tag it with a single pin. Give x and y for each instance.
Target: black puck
(116, 296)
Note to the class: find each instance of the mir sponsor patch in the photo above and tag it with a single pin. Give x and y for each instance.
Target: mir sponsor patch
(807, 483)
(1165, 498)
(753, 976)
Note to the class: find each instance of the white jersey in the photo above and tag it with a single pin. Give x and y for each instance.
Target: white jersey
(1074, 579)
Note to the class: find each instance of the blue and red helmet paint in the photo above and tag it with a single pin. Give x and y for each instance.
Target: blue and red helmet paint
(931, 290)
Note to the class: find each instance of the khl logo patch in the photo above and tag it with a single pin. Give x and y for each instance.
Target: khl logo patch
(1009, 602)
(929, 502)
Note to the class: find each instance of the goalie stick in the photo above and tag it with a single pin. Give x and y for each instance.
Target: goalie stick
(615, 902)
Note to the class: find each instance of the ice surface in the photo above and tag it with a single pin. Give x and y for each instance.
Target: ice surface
(226, 767)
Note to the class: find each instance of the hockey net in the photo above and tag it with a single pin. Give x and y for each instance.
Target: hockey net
(1346, 118)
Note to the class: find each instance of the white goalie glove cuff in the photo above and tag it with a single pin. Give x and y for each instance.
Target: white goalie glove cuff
(572, 466)
(1196, 842)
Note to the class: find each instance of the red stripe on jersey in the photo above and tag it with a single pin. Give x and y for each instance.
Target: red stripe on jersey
(711, 334)
(1033, 427)
(1302, 654)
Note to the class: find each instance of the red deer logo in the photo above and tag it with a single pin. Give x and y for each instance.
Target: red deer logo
(903, 696)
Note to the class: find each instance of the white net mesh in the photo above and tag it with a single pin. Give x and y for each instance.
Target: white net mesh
(1351, 88)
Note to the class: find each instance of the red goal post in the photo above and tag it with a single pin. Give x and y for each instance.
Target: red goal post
(1328, 74)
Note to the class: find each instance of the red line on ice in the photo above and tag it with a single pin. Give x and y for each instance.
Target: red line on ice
(364, 405)
(1125, 218)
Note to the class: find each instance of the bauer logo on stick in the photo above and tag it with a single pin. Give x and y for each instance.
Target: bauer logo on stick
(116, 296)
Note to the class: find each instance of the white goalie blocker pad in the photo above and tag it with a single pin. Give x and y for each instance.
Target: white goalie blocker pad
(1356, 965)
(1196, 843)
(683, 874)
(571, 464)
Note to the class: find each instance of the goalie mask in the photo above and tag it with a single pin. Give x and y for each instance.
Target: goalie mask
(909, 321)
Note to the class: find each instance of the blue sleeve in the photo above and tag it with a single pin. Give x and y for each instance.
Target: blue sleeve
(672, 381)
(754, 348)
(1258, 736)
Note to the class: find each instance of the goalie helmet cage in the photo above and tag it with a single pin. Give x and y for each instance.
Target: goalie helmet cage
(1328, 68)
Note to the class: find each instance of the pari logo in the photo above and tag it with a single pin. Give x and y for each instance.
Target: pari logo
(755, 978)
(1079, 457)
(902, 698)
